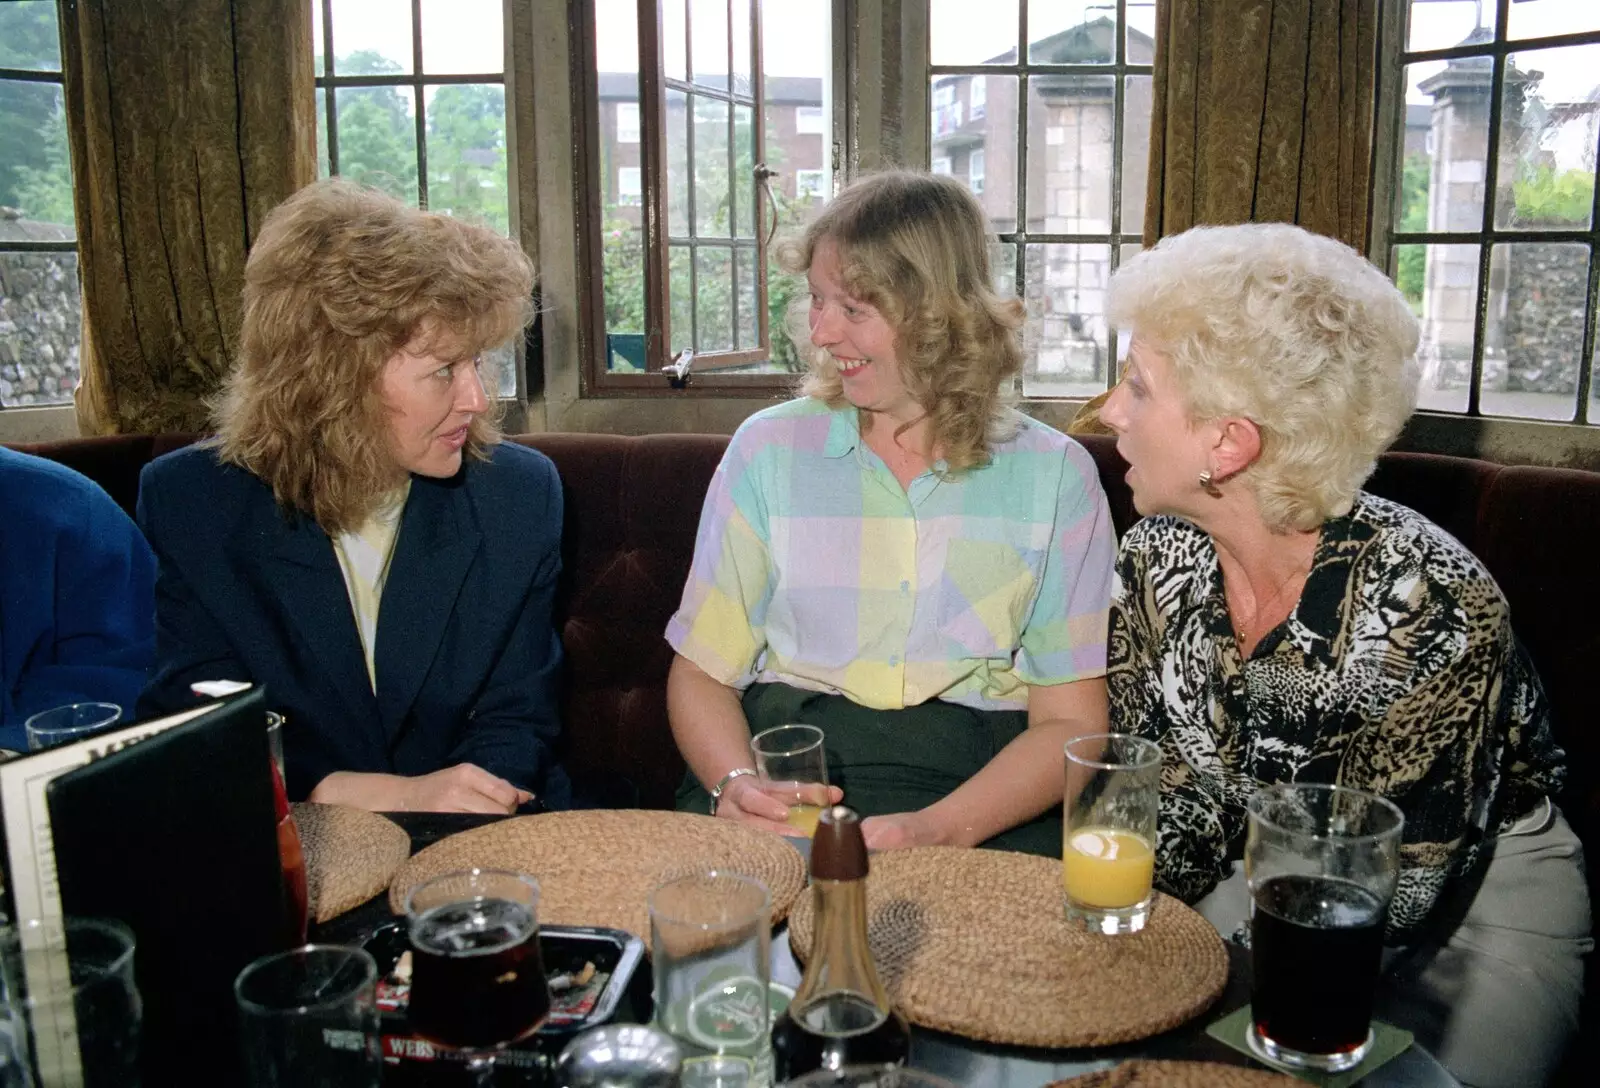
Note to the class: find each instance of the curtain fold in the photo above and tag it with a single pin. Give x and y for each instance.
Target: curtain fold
(188, 120)
(1263, 112)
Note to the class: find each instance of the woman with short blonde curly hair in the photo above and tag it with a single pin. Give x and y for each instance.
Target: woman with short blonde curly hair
(357, 539)
(1281, 326)
(1272, 622)
(898, 557)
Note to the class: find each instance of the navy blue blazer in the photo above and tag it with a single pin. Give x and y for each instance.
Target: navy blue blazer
(467, 659)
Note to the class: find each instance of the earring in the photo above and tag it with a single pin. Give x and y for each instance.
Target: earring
(1207, 486)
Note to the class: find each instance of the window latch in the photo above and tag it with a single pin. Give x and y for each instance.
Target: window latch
(677, 371)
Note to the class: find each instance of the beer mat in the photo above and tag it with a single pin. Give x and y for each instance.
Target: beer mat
(1388, 1043)
(975, 942)
(597, 867)
(1143, 1073)
(351, 855)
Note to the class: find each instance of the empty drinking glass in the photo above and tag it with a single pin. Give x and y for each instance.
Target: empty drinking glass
(64, 724)
(710, 939)
(309, 1019)
(73, 981)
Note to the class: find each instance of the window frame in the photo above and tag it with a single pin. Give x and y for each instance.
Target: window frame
(709, 376)
(1119, 68)
(1394, 57)
(525, 351)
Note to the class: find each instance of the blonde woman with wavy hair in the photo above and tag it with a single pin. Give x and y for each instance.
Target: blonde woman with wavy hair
(1273, 622)
(356, 538)
(898, 557)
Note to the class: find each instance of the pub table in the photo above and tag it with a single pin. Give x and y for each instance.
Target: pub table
(962, 1061)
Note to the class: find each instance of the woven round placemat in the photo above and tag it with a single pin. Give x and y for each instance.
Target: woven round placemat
(1140, 1073)
(974, 942)
(597, 867)
(351, 855)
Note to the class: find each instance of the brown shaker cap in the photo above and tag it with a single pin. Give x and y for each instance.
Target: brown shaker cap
(838, 852)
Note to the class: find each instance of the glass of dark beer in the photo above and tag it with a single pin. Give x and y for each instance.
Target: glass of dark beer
(1321, 863)
(477, 978)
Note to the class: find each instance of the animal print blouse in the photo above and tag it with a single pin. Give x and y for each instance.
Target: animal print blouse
(1396, 673)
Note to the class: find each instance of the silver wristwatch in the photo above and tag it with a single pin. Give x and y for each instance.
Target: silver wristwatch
(716, 791)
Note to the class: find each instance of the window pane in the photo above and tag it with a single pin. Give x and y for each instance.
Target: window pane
(743, 82)
(1532, 341)
(378, 138)
(1543, 18)
(35, 166)
(39, 364)
(681, 289)
(1137, 97)
(677, 164)
(786, 321)
(799, 120)
(712, 185)
(956, 136)
(714, 298)
(500, 371)
(744, 183)
(371, 37)
(744, 260)
(1445, 148)
(1066, 341)
(1072, 32)
(1547, 139)
(1594, 385)
(622, 254)
(28, 36)
(467, 152)
(1069, 154)
(323, 169)
(1440, 24)
(674, 38)
(962, 32)
(463, 36)
(708, 42)
(1141, 32)
(1441, 284)
(317, 42)
(1003, 268)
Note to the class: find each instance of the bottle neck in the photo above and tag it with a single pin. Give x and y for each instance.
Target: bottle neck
(841, 959)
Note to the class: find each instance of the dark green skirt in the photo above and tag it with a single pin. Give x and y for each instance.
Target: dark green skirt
(895, 760)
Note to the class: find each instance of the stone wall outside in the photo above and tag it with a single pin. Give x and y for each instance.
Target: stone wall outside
(40, 322)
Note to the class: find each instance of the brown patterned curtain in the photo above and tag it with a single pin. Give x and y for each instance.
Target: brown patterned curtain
(188, 121)
(1263, 112)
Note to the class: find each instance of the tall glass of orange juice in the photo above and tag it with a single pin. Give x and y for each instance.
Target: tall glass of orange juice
(793, 765)
(1108, 844)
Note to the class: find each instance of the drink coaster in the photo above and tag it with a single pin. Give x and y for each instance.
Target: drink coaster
(351, 855)
(975, 942)
(597, 867)
(1142, 1073)
(1388, 1043)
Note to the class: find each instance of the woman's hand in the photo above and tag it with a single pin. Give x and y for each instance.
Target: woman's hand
(746, 800)
(898, 830)
(464, 787)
